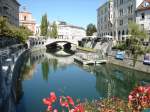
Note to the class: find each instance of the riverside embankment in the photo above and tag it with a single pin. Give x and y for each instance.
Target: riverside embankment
(128, 62)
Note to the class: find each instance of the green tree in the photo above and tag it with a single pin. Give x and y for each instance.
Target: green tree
(91, 28)
(54, 32)
(21, 33)
(44, 25)
(4, 27)
(135, 41)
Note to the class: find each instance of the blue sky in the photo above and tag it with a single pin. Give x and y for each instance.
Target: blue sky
(76, 12)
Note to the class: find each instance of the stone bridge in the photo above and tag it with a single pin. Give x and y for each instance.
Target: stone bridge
(50, 41)
(40, 42)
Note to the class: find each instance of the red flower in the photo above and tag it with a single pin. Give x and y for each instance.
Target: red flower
(46, 101)
(79, 108)
(55, 110)
(70, 100)
(49, 108)
(141, 89)
(53, 97)
(130, 97)
(50, 100)
(64, 101)
(139, 98)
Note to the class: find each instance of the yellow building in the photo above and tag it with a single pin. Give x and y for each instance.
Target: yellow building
(26, 19)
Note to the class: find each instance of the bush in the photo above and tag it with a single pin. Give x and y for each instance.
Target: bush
(21, 33)
(148, 50)
(120, 46)
(139, 98)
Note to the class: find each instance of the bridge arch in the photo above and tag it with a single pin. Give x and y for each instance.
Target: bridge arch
(71, 41)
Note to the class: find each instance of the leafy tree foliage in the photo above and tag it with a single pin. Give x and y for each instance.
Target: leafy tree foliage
(135, 41)
(91, 28)
(44, 25)
(21, 33)
(54, 32)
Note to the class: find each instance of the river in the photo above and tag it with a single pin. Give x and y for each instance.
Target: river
(42, 73)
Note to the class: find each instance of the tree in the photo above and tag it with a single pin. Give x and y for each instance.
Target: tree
(54, 32)
(91, 28)
(21, 33)
(4, 27)
(44, 25)
(135, 41)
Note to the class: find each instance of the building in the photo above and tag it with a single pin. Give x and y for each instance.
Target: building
(143, 15)
(67, 31)
(113, 17)
(10, 10)
(37, 30)
(26, 19)
(105, 19)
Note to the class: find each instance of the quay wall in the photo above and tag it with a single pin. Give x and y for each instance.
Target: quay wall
(128, 62)
(10, 82)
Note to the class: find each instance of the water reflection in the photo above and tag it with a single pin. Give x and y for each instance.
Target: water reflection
(49, 63)
(38, 73)
(112, 80)
(45, 70)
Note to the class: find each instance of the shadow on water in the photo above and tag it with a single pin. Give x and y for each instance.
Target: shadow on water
(58, 51)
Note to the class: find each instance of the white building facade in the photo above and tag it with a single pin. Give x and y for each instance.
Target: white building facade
(105, 19)
(67, 31)
(143, 15)
(113, 17)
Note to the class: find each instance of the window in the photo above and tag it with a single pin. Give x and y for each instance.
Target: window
(105, 26)
(105, 18)
(121, 22)
(130, 9)
(121, 12)
(121, 2)
(142, 26)
(0, 9)
(25, 18)
(142, 16)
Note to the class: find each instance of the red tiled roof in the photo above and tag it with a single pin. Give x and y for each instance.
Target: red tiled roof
(147, 1)
(141, 7)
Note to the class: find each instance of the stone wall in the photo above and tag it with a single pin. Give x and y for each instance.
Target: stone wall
(128, 62)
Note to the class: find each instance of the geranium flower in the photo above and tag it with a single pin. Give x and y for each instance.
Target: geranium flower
(139, 98)
(70, 100)
(48, 101)
(49, 108)
(64, 101)
(53, 97)
(55, 110)
(79, 108)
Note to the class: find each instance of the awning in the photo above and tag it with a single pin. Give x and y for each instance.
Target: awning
(126, 36)
(107, 36)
